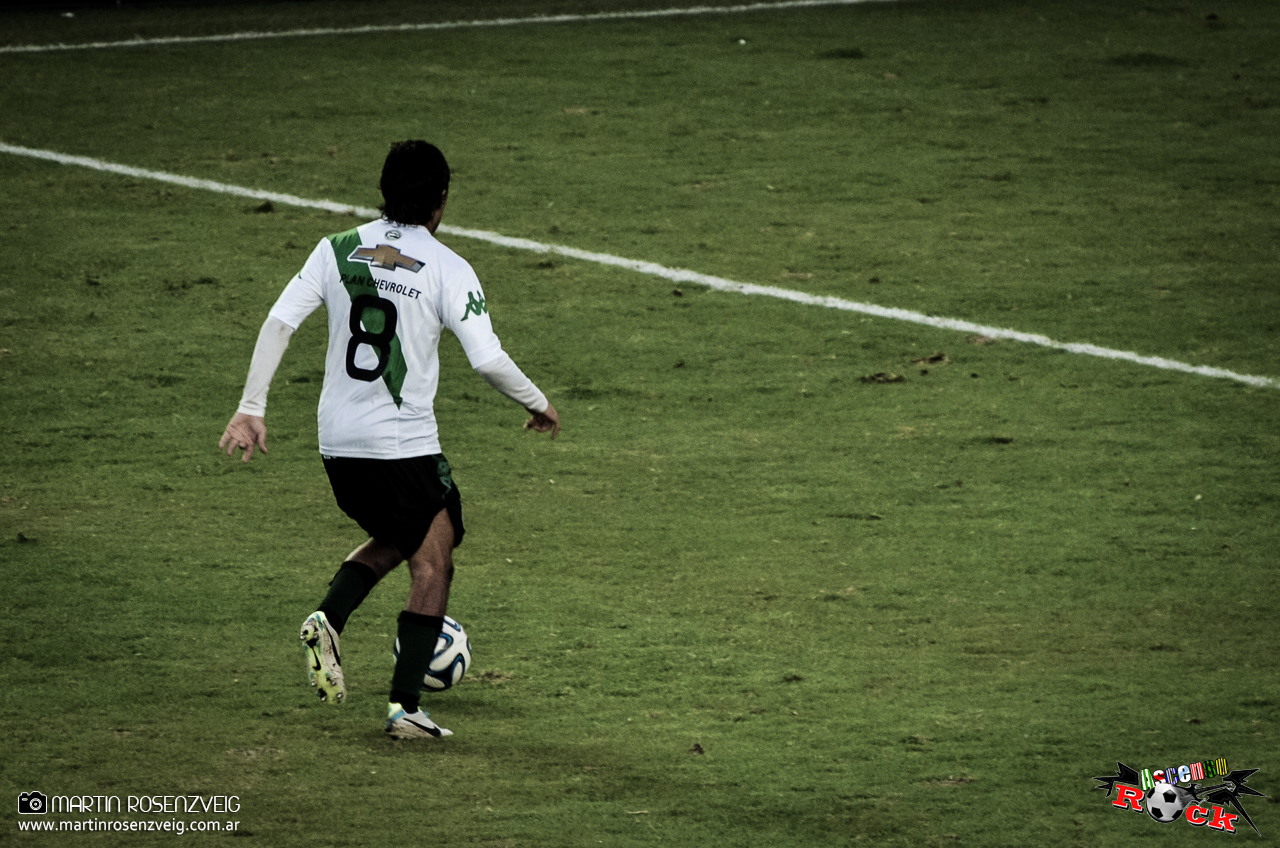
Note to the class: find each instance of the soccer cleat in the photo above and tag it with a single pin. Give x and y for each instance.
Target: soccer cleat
(324, 664)
(403, 725)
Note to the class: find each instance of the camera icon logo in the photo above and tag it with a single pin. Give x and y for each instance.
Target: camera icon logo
(33, 803)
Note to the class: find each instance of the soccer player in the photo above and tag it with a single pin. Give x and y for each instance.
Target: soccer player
(389, 289)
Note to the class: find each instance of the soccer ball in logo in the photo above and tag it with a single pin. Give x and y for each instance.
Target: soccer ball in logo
(451, 659)
(1165, 802)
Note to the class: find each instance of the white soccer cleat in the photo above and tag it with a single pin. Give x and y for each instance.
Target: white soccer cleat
(403, 725)
(324, 663)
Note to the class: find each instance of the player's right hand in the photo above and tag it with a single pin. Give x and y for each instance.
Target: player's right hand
(244, 432)
(546, 421)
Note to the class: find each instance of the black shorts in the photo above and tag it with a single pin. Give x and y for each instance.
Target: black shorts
(395, 500)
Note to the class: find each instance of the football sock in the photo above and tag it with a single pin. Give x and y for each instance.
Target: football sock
(418, 635)
(347, 589)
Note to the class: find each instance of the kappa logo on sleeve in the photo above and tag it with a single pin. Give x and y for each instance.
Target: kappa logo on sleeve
(475, 305)
(385, 256)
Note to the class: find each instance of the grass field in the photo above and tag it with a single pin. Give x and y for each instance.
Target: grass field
(747, 598)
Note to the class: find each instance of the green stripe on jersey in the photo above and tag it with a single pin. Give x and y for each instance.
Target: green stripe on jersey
(357, 280)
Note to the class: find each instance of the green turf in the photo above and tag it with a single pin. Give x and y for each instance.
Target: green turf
(746, 598)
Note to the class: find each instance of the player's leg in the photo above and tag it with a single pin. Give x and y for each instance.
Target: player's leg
(356, 577)
(431, 570)
(418, 629)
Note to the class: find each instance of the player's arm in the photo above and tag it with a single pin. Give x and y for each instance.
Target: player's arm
(302, 296)
(248, 427)
(464, 311)
(505, 376)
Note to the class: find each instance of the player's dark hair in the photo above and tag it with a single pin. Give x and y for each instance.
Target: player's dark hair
(414, 179)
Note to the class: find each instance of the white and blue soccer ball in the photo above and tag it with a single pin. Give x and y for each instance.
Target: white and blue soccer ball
(451, 659)
(1165, 802)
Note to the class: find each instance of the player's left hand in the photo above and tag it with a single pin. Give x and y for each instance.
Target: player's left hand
(244, 432)
(546, 421)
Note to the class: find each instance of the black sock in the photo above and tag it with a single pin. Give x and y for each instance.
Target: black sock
(418, 635)
(347, 589)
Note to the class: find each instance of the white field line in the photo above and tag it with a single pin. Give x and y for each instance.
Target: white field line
(444, 25)
(677, 275)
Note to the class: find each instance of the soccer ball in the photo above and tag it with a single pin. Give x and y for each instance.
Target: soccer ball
(1165, 802)
(451, 659)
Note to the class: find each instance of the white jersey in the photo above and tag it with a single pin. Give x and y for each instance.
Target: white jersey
(389, 290)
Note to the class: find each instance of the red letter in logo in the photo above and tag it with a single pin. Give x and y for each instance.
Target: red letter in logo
(1197, 815)
(1128, 796)
(1222, 820)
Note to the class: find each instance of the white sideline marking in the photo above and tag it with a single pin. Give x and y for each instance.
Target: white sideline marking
(677, 275)
(494, 22)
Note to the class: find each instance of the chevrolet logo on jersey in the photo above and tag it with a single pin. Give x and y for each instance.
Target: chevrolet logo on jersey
(385, 256)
